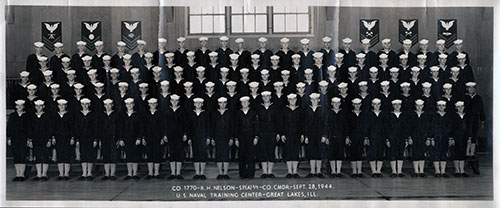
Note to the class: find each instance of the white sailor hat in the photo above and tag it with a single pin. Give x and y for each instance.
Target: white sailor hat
(459, 103)
(441, 102)
(198, 100)
(134, 70)
(376, 101)
(291, 96)
(92, 71)
(265, 93)
(295, 56)
(162, 40)
(396, 101)
(434, 68)
(352, 69)
(422, 56)
(24, 74)
(300, 84)
(209, 84)
(99, 84)
(342, 85)
(275, 57)
(127, 56)
(81, 43)
(363, 83)
(404, 84)
(277, 84)
(47, 73)
(71, 71)
(458, 41)
(239, 40)
(470, 84)
(365, 41)
(419, 102)
(39, 102)
(253, 84)
(31, 87)
(336, 100)
(360, 55)
(213, 53)
(20, 102)
(264, 71)
(347, 40)
(58, 44)
(386, 40)
(181, 39)
(222, 100)
(323, 83)
(190, 53)
(62, 102)
(152, 100)
(114, 70)
(231, 83)
(148, 55)
(174, 97)
(244, 70)
(455, 69)
(129, 100)
(224, 69)
(121, 43)
(122, 84)
(106, 58)
(200, 69)
(99, 43)
(403, 56)
(383, 56)
(317, 54)
(38, 44)
(373, 69)
(460, 56)
(143, 85)
(42, 58)
(244, 98)
(440, 42)
(326, 39)
(54, 86)
(443, 56)
(407, 41)
(262, 39)
(284, 40)
(203, 38)
(85, 101)
(447, 86)
(87, 58)
(224, 38)
(164, 83)
(308, 71)
(314, 95)
(384, 83)
(304, 41)
(107, 101)
(141, 42)
(169, 55)
(178, 69)
(65, 59)
(424, 41)
(234, 56)
(331, 68)
(78, 86)
(255, 56)
(188, 84)
(394, 69)
(415, 69)
(356, 101)
(426, 84)
(285, 72)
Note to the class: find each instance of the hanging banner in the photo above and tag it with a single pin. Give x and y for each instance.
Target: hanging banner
(91, 33)
(51, 33)
(131, 32)
(408, 29)
(369, 28)
(447, 30)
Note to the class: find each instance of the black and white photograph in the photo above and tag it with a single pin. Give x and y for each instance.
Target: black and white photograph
(249, 103)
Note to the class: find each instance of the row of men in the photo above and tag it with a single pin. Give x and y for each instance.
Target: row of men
(334, 133)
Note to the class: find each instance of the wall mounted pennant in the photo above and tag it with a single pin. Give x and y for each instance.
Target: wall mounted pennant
(91, 32)
(408, 29)
(447, 30)
(51, 33)
(131, 32)
(369, 28)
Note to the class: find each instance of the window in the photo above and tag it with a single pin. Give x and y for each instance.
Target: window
(207, 20)
(291, 19)
(249, 19)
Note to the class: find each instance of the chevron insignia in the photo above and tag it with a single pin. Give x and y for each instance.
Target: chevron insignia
(408, 29)
(51, 33)
(447, 30)
(131, 32)
(369, 28)
(91, 33)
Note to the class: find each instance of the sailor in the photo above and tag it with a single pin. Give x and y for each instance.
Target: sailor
(255, 67)
(440, 50)
(292, 134)
(131, 138)
(158, 55)
(314, 135)
(212, 69)
(17, 138)
(222, 134)
(126, 68)
(32, 60)
(224, 51)
(63, 139)
(155, 136)
(55, 60)
(175, 124)
(110, 122)
(180, 55)
(264, 53)
(397, 138)
(138, 56)
(168, 69)
(190, 66)
(233, 66)
(318, 67)
(85, 133)
(424, 49)
(336, 137)
(475, 108)
(391, 55)
(462, 133)
(411, 57)
(404, 68)
(370, 56)
(76, 59)
(246, 131)
(363, 69)
(306, 58)
(97, 58)
(465, 69)
(356, 137)
(198, 137)
(269, 121)
(349, 54)
(275, 68)
(201, 54)
(383, 68)
(441, 139)
(376, 137)
(117, 59)
(419, 124)
(243, 54)
(285, 53)
(328, 53)
(40, 139)
(452, 61)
